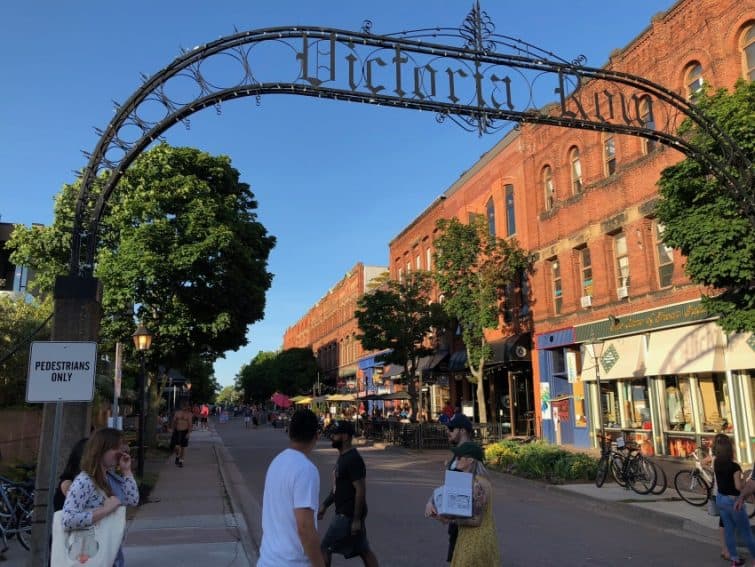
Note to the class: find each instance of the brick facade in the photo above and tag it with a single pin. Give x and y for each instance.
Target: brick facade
(329, 328)
(609, 212)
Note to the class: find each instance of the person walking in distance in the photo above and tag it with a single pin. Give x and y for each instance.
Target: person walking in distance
(179, 439)
(290, 500)
(204, 415)
(347, 534)
(459, 432)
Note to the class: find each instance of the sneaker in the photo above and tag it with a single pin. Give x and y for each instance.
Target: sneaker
(177, 461)
(181, 465)
(737, 562)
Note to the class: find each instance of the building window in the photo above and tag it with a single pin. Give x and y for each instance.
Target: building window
(609, 155)
(490, 209)
(418, 262)
(550, 191)
(557, 290)
(408, 267)
(576, 171)
(428, 259)
(648, 121)
(400, 275)
(748, 52)
(508, 192)
(585, 270)
(665, 258)
(694, 80)
(622, 260)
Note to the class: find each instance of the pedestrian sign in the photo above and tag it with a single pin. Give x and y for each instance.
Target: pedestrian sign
(61, 371)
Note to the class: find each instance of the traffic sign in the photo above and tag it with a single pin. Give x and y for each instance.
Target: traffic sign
(61, 371)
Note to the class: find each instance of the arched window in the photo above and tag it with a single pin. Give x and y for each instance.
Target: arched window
(747, 43)
(550, 190)
(648, 121)
(576, 171)
(693, 79)
(490, 209)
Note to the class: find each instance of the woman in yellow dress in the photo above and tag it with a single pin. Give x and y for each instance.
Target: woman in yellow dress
(477, 543)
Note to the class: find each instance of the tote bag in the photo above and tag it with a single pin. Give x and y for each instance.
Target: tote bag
(95, 546)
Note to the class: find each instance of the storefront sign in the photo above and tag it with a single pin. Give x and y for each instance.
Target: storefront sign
(561, 408)
(640, 322)
(545, 400)
(571, 366)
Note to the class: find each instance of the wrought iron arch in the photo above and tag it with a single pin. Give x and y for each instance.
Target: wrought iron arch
(474, 90)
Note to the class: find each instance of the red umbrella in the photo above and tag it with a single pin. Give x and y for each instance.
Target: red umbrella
(281, 400)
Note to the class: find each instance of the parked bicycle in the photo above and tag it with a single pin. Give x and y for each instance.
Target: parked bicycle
(695, 485)
(16, 509)
(629, 468)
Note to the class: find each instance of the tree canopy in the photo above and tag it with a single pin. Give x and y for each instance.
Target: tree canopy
(180, 244)
(291, 371)
(473, 270)
(399, 315)
(705, 222)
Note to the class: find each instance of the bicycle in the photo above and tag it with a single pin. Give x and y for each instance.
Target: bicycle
(16, 510)
(629, 470)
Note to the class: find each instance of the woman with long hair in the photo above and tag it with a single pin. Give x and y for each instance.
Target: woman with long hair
(729, 483)
(477, 543)
(98, 490)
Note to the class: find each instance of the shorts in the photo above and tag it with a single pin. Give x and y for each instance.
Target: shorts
(179, 438)
(204, 419)
(338, 538)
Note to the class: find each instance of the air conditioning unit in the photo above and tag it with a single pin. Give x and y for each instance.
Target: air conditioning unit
(622, 292)
(586, 301)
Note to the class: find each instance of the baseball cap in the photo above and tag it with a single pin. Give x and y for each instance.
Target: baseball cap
(469, 449)
(342, 426)
(460, 420)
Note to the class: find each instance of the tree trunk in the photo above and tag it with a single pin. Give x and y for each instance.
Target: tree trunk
(412, 390)
(481, 409)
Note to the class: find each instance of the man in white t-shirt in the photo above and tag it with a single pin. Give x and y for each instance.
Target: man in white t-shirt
(291, 500)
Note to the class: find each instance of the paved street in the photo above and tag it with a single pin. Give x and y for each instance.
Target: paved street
(535, 526)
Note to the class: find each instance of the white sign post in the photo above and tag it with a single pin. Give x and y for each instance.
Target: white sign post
(59, 372)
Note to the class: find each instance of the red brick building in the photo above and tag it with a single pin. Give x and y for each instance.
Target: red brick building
(582, 202)
(329, 328)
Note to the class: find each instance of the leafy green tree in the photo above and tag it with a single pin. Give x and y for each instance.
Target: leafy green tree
(180, 243)
(292, 371)
(20, 322)
(229, 396)
(473, 270)
(705, 222)
(399, 315)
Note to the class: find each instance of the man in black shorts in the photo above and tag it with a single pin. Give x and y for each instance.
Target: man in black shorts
(179, 440)
(347, 534)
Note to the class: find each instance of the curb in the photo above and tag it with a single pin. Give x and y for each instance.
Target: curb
(626, 511)
(241, 501)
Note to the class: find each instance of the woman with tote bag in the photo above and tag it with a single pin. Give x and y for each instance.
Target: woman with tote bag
(90, 528)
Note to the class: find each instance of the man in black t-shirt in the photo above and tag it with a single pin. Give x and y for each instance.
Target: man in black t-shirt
(347, 534)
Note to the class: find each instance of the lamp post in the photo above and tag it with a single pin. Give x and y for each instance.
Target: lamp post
(142, 342)
(597, 351)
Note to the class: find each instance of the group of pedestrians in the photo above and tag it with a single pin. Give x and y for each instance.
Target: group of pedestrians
(290, 507)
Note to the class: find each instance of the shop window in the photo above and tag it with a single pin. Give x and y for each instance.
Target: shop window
(609, 398)
(609, 155)
(548, 188)
(715, 404)
(556, 289)
(585, 270)
(580, 417)
(508, 191)
(747, 44)
(576, 171)
(622, 260)
(648, 121)
(665, 258)
(694, 81)
(490, 209)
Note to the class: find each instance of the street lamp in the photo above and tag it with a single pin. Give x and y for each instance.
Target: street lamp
(597, 351)
(142, 342)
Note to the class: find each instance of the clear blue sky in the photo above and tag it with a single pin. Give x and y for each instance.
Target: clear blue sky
(335, 182)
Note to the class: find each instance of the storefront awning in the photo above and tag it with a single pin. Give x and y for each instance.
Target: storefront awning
(458, 360)
(430, 362)
(514, 348)
(392, 370)
(740, 352)
(623, 357)
(684, 350)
